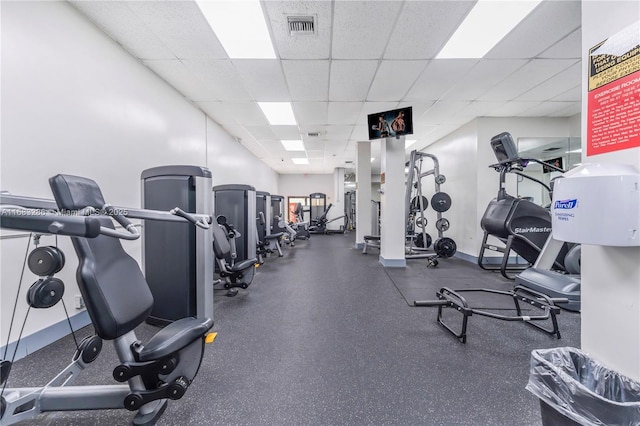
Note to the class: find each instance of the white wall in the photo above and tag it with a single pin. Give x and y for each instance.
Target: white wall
(74, 102)
(610, 275)
(301, 185)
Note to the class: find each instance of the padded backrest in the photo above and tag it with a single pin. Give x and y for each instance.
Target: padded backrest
(221, 246)
(117, 296)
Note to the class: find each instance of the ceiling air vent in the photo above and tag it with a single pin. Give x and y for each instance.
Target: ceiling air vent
(301, 25)
(313, 134)
(555, 148)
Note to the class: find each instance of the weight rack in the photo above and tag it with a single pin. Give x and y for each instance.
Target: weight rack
(415, 207)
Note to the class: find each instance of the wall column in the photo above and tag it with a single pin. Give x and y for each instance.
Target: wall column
(337, 209)
(392, 232)
(363, 192)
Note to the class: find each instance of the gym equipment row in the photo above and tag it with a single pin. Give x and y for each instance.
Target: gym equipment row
(416, 204)
(154, 372)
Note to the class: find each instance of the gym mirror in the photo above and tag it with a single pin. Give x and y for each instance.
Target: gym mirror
(565, 153)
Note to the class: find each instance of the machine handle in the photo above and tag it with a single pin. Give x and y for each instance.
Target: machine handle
(199, 223)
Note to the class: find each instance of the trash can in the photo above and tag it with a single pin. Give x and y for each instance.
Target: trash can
(574, 389)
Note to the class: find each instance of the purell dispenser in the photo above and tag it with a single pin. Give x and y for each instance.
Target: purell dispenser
(598, 204)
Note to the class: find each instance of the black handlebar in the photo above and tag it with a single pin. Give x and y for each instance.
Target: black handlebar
(38, 221)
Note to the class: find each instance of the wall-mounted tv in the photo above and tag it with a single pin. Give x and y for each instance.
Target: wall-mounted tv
(389, 124)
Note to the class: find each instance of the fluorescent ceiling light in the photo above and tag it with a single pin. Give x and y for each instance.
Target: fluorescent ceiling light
(408, 143)
(278, 113)
(575, 150)
(487, 23)
(240, 26)
(293, 145)
(300, 160)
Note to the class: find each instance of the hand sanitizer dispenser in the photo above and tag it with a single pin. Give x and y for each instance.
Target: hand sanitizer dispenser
(597, 204)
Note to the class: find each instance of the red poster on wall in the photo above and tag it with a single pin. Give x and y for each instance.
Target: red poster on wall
(613, 103)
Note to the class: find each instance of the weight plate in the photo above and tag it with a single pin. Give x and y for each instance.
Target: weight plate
(420, 242)
(421, 222)
(45, 261)
(442, 224)
(45, 293)
(441, 202)
(440, 179)
(445, 247)
(415, 203)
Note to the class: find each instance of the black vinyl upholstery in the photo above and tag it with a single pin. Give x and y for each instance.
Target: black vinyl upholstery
(114, 289)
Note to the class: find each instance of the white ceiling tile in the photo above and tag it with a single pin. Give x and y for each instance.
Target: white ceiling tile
(315, 128)
(568, 47)
(182, 79)
(481, 78)
(513, 108)
(220, 76)
(117, 20)
(533, 73)
(246, 113)
(373, 108)
(313, 154)
(393, 80)
(555, 86)
(316, 46)
(310, 113)
(256, 148)
(424, 27)
(263, 79)
(480, 108)
(307, 80)
(571, 110)
(442, 112)
(181, 27)
(314, 145)
(344, 112)
(350, 80)
(573, 94)
(286, 132)
(439, 76)
(261, 133)
(217, 111)
(338, 132)
(361, 28)
(418, 108)
(547, 108)
(360, 133)
(548, 23)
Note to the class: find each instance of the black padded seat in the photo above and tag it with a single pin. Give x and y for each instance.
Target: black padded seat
(275, 236)
(241, 266)
(174, 337)
(372, 237)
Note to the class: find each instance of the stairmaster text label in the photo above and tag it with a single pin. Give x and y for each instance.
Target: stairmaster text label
(562, 209)
(532, 230)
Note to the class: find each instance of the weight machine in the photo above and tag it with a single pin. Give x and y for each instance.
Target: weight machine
(416, 204)
(109, 279)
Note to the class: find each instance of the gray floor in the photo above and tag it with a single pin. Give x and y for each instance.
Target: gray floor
(325, 336)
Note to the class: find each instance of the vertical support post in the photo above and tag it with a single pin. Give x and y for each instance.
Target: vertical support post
(392, 206)
(338, 200)
(363, 192)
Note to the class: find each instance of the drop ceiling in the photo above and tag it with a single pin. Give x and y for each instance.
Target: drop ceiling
(364, 57)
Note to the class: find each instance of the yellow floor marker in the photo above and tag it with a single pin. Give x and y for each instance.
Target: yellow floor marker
(210, 337)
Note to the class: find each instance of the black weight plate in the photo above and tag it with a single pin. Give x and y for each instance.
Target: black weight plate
(442, 224)
(415, 203)
(441, 179)
(441, 202)
(45, 293)
(421, 222)
(419, 242)
(445, 247)
(45, 261)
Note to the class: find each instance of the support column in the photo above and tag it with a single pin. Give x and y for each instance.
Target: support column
(392, 232)
(337, 209)
(363, 192)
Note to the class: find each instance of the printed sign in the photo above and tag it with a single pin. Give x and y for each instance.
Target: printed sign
(613, 103)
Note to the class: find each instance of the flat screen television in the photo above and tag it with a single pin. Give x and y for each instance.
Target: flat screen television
(389, 124)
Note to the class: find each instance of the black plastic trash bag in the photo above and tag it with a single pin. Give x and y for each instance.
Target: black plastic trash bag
(581, 389)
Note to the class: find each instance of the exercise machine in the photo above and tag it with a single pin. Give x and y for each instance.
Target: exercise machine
(267, 241)
(234, 273)
(168, 255)
(237, 203)
(109, 279)
(319, 224)
(521, 225)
